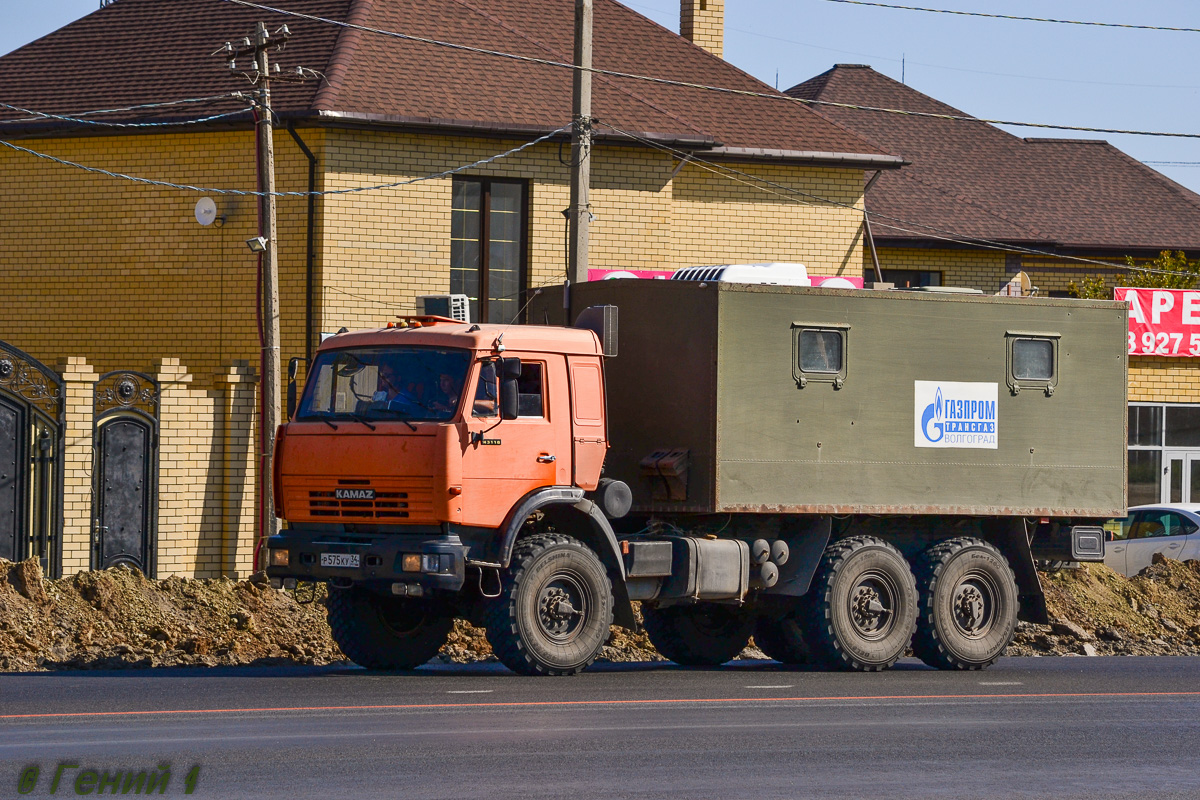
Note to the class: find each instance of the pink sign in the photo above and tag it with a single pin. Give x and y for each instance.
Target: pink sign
(840, 281)
(1163, 322)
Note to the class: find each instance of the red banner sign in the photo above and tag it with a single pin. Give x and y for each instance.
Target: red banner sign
(1163, 322)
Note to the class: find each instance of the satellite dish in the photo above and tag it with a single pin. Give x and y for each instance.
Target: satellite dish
(1018, 286)
(206, 211)
(1026, 285)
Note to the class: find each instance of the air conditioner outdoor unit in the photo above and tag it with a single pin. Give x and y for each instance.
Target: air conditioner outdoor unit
(454, 306)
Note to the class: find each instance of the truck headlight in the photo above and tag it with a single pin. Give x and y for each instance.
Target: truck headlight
(431, 562)
(279, 558)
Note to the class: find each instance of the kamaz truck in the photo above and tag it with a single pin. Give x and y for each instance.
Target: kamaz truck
(842, 474)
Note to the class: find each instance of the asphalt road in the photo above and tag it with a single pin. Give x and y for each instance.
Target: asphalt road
(1037, 727)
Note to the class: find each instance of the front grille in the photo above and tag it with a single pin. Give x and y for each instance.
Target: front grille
(386, 505)
(395, 500)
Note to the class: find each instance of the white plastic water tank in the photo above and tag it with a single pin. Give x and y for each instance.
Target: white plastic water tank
(778, 273)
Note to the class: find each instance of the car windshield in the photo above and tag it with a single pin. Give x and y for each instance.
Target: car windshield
(382, 383)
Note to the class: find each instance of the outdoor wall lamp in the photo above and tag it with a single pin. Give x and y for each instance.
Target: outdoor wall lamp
(257, 245)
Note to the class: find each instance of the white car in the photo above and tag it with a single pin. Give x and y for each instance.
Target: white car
(1173, 530)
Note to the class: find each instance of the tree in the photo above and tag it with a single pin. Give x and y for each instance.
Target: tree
(1170, 270)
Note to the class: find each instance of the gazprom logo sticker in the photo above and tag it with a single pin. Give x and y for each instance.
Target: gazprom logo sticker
(956, 414)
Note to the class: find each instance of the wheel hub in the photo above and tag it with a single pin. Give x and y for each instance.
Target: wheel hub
(560, 610)
(972, 607)
(871, 607)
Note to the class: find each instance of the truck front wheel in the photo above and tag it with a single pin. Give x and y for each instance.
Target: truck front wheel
(968, 609)
(554, 610)
(698, 635)
(379, 632)
(862, 606)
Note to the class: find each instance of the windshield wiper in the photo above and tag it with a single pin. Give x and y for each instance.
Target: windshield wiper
(363, 420)
(328, 422)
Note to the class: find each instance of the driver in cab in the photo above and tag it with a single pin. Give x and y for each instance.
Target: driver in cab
(390, 390)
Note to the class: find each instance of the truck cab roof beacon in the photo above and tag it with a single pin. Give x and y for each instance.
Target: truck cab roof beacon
(775, 273)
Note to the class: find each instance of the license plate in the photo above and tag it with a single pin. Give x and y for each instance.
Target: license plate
(339, 560)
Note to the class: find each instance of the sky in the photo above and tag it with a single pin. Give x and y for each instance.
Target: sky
(994, 68)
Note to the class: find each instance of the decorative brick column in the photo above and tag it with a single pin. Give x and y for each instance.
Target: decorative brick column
(238, 386)
(78, 463)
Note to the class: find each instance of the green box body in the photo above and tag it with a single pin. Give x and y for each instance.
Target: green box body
(712, 368)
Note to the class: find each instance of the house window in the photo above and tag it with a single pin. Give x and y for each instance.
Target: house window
(487, 246)
(907, 278)
(1164, 453)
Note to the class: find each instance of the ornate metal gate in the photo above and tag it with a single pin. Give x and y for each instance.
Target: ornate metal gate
(31, 477)
(125, 478)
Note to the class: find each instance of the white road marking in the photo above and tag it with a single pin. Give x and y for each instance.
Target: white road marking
(1001, 683)
(470, 691)
(772, 686)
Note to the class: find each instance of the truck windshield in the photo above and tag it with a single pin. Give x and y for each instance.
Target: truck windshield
(382, 383)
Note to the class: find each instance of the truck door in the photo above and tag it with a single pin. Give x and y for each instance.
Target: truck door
(587, 421)
(506, 459)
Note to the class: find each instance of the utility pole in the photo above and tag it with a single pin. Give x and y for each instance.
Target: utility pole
(580, 214)
(270, 283)
(267, 247)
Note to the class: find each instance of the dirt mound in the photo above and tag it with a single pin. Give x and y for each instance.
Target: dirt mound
(120, 619)
(1099, 612)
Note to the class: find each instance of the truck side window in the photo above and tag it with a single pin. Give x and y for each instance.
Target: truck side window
(530, 401)
(819, 353)
(1032, 361)
(487, 393)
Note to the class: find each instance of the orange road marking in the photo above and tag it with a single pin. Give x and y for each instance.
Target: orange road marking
(567, 703)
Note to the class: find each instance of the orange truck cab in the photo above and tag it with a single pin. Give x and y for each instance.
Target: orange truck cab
(417, 456)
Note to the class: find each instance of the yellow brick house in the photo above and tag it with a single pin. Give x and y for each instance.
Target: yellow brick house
(398, 159)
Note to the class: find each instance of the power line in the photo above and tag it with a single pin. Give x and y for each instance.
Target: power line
(244, 193)
(1013, 17)
(877, 57)
(80, 121)
(687, 84)
(966, 118)
(928, 231)
(1173, 163)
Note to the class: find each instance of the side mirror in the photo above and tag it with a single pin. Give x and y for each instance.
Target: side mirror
(293, 367)
(510, 373)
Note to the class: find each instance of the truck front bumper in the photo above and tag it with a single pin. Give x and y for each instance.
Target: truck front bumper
(406, 565)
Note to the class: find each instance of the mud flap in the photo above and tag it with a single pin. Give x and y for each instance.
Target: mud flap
(1008, 534)
(806, 538)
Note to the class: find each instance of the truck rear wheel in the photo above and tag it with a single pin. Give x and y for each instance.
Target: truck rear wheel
(698, 635)
(555, 609)
(862, 606)
(968, 606)
(379, 632)
(782, 638)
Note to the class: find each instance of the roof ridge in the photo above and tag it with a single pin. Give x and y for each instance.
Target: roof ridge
(1184, 193)
(343, 54)
(603, 78)
(818, 111)
(985, 209)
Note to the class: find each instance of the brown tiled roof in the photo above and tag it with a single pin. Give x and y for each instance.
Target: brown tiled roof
(135, 51)
(973, 179)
